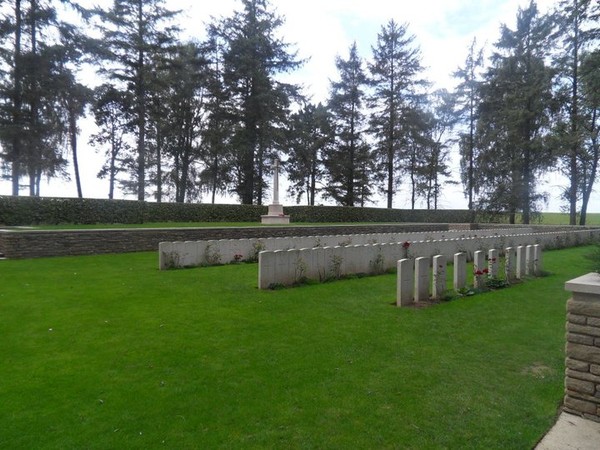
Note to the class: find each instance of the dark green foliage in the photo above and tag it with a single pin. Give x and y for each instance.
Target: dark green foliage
(23, 211)
(515, 118)
(348, 162)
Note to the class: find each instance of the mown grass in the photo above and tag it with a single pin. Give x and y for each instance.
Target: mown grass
(108, 352)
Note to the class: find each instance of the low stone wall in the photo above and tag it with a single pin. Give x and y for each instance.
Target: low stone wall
(212, 252)
(582, 378)
(288, 267)
(36, 244)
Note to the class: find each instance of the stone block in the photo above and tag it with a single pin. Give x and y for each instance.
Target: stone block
(460, 271)
(595, 369)
(584, 308)
(585, 376)
(576, 318)
(421, 279)
(580, 406)
(594, 322)
(580, 366)
(405, 283)
(583, 329)
(583, 352)
(581, 386)
(580, 339)
(439, 277)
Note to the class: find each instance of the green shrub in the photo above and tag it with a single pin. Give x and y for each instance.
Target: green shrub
(16, 211)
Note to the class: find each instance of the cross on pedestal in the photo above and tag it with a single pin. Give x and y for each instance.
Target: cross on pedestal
(275, 214)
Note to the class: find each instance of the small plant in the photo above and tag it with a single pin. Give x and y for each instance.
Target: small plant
(212, 256)
(257, 247)
(238, 257)
(495, 283)
(300, 267)
(405, 247)
(594, 258)
(346, 242)
(377, 263)
(465, 292)
(336, 267)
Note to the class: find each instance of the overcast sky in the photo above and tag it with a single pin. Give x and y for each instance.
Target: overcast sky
(320, 30)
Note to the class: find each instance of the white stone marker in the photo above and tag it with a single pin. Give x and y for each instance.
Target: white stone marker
(529, 260)
(478, 269)
(405, 283)
(509, 264)
(421, 279)
(439, 277)
(520, 272)
(493, 263)
(460, 271)
(537, 260)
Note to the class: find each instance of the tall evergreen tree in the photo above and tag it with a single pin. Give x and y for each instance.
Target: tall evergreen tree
(254, 55)
(136, 35)
(577, 33)
(111, 109)
(309, 137)
(467, 98)
(35, 56)
(515, 117)
(348, 162)
(395, 77)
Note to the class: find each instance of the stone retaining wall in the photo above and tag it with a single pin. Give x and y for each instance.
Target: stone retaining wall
(35, 244)
(582, 378)
(213, 252)
(288, 267)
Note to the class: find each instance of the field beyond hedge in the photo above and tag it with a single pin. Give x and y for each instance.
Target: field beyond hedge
(108, 352)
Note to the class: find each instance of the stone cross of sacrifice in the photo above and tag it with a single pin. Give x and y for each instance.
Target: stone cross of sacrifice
(276, 182)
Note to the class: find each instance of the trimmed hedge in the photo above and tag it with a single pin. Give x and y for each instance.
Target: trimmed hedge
(23, 211)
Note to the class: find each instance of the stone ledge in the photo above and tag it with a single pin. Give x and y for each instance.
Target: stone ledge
(584, 376)
(584, 397)
(577, 319)
(584, 308)
(580, 366)
(583, 352)
(581, 406)
(580, 339)
(583, 329)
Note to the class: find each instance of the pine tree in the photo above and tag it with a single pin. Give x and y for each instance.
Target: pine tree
(309, 137)
(515, 115)
(395, 77)
(577, 34)
(253, 56)
(348, 161)
(136, 35)
(466, 100)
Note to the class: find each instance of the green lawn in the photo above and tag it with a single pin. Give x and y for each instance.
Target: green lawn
(107, 352)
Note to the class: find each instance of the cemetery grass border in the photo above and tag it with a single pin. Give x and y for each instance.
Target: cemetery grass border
(108, 352)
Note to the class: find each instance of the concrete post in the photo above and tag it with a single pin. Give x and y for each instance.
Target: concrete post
(582, 378)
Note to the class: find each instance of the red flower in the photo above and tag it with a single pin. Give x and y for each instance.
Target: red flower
(478, 272)
(485, 271)
(406, 244)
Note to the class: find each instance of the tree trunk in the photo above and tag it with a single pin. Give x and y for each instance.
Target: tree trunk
(73, 139)
(17, 104)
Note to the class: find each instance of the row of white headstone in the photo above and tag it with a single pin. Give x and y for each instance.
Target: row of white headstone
(415, 276)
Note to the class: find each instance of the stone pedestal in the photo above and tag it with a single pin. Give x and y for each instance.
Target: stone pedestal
(582, 380)
(275, 216)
